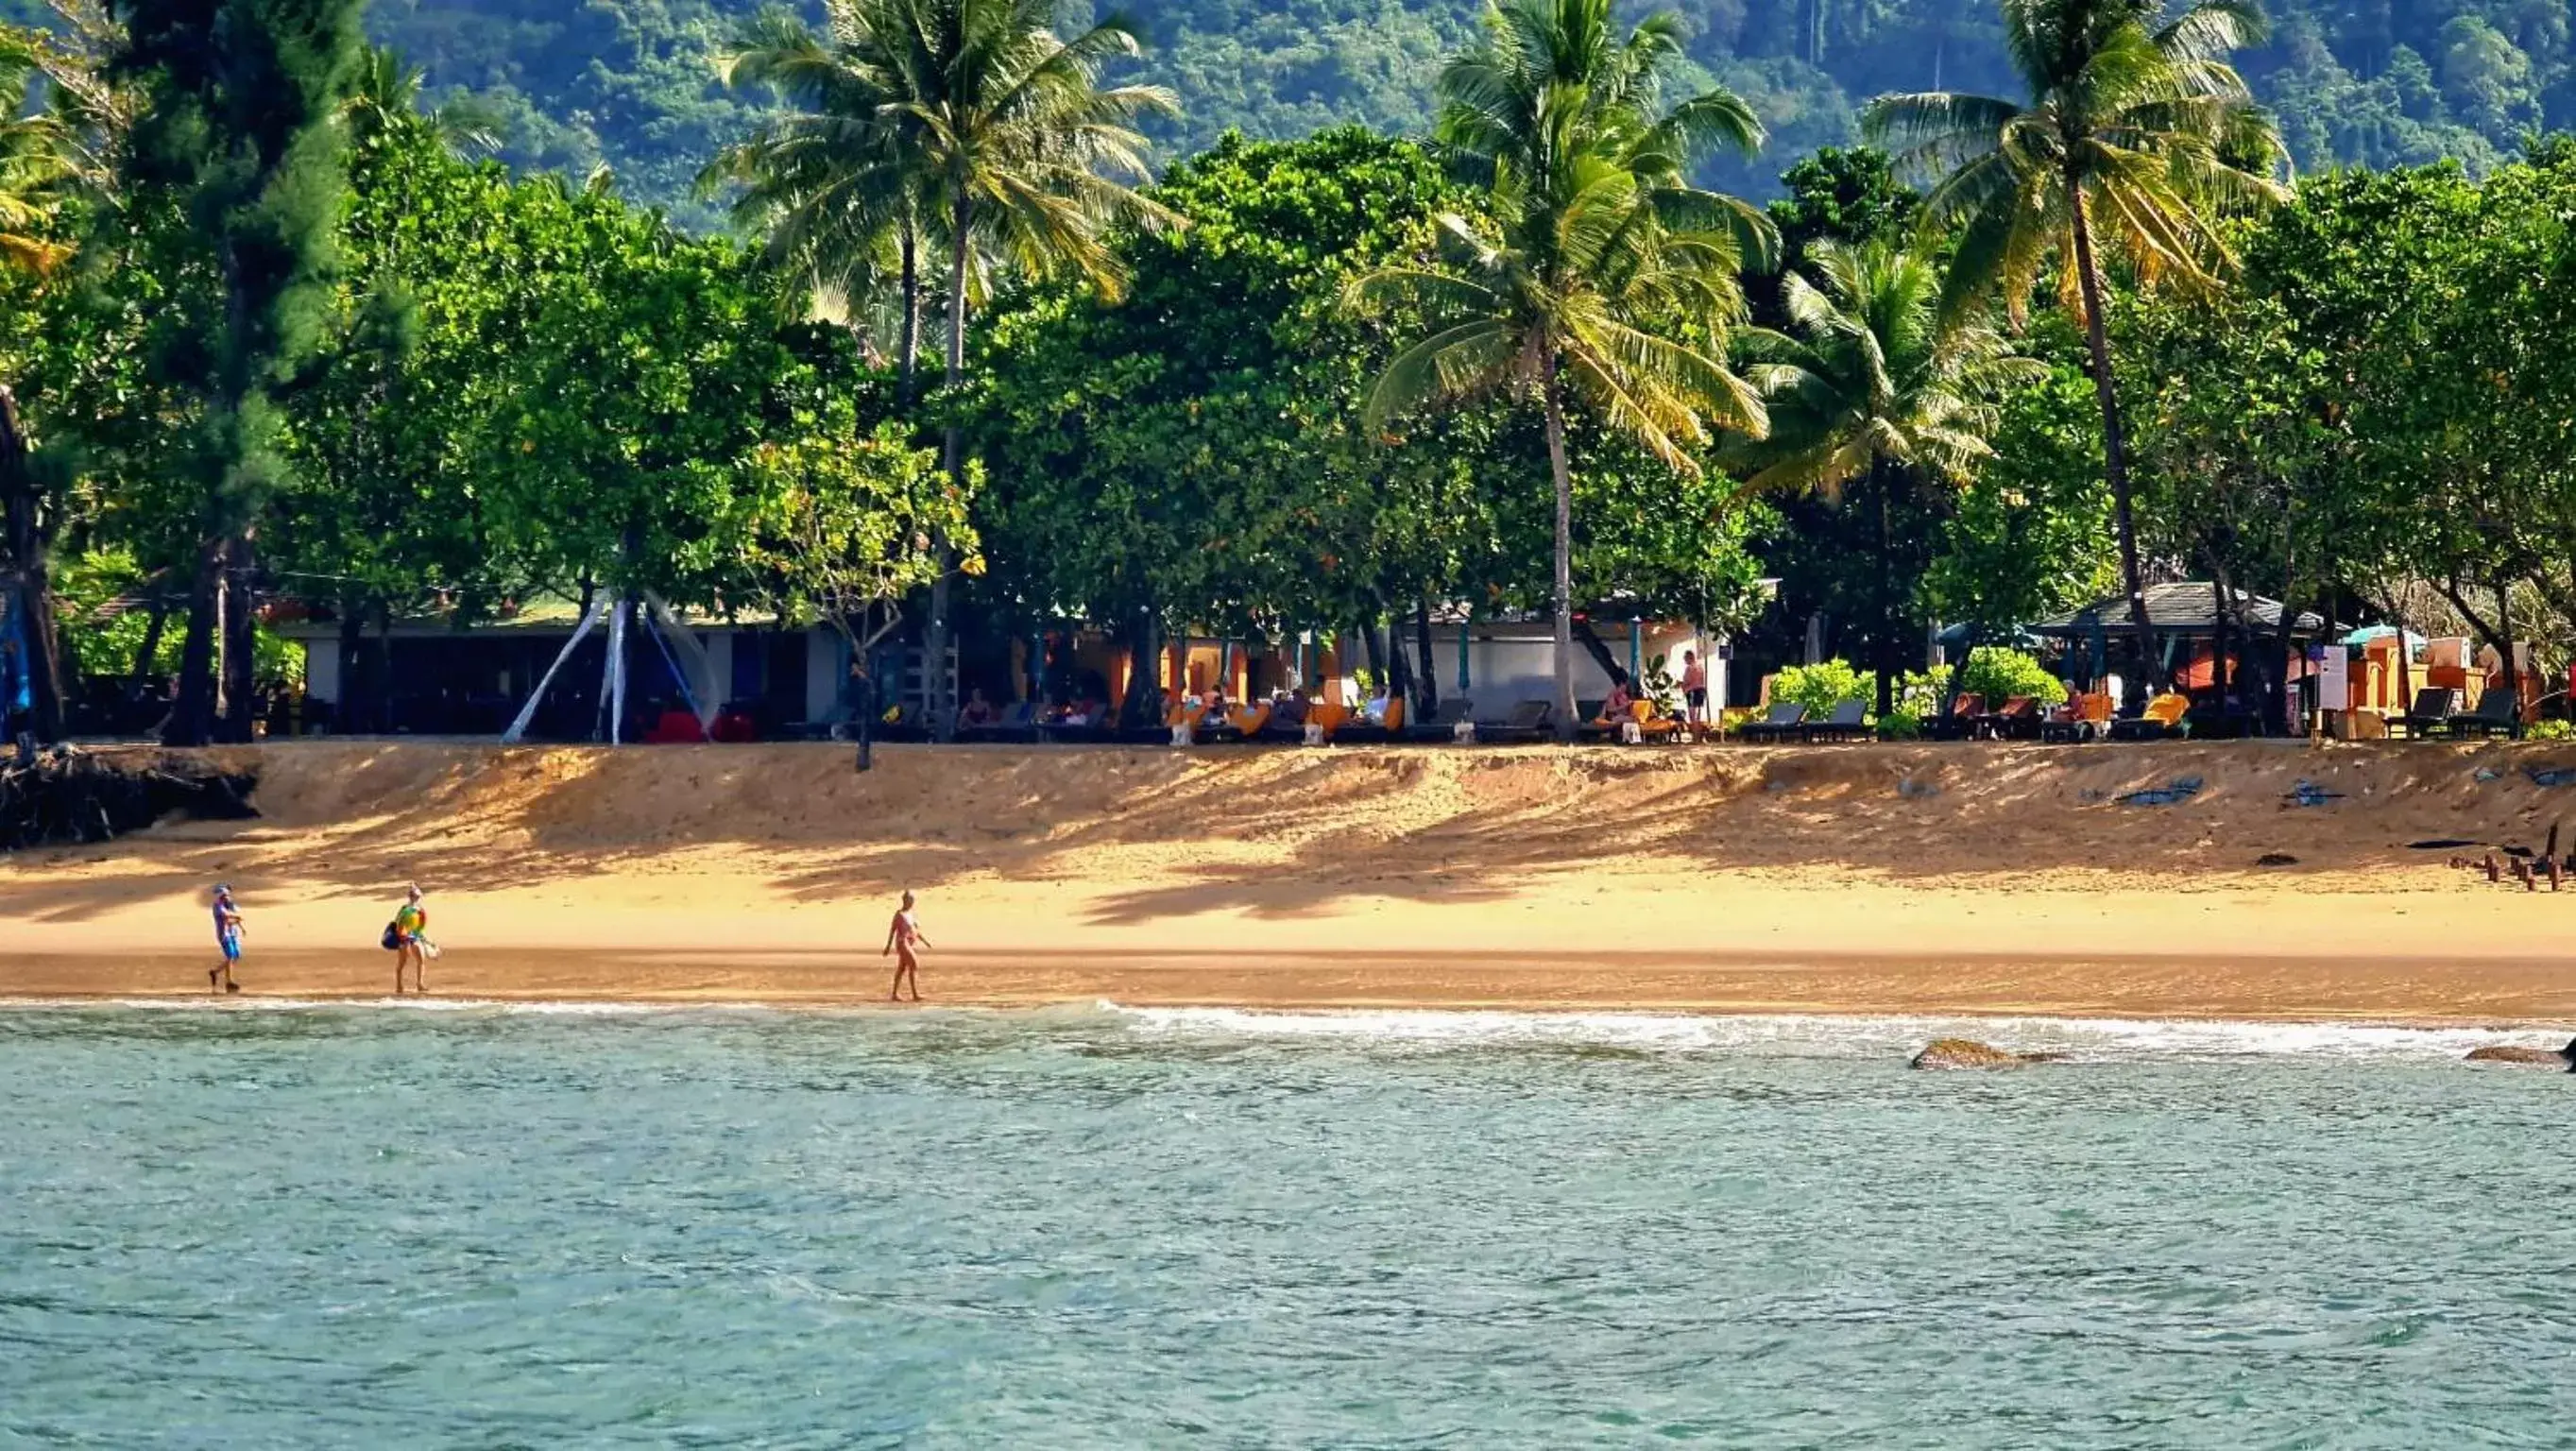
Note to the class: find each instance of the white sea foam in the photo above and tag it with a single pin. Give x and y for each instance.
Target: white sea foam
(1820, 1036)
(1783, 1035)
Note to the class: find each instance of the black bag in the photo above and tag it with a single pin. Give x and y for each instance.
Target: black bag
(393, 938)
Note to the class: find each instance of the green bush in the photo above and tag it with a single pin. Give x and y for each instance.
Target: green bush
(1900, 724)
(1918, 692)
(1998, 674)
(1820, 687)
(2550, 730)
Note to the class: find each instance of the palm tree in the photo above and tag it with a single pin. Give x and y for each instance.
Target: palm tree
(969, 123)
(836, 187)
(387, 96)
(1601, 252)
(35, 161)
(2138, 135)
(1873, 385)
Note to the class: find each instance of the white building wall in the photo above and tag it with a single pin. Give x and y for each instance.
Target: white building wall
(322, 670)
(823, 669)
(719, 645)
(1502, 672)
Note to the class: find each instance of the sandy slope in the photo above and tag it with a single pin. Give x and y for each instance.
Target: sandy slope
(1977, 878)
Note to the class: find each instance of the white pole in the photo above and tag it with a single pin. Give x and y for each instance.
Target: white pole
(616, 671)
(528, 712)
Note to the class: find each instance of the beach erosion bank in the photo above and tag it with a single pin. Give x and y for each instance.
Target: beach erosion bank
(1878, 879)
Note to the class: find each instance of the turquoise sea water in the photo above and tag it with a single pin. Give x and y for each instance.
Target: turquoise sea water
(487, 1227)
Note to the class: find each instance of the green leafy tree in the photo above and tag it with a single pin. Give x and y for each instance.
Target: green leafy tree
(1607, 278)
(242, 137)
(2028, 537)
(1871, 386)
(2136, 137)
(1191, 455)
(1022, 157)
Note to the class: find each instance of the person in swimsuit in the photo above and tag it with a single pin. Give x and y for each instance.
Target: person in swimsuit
(409, 925)
(1694, 688)
(228, 936)
(903, 939)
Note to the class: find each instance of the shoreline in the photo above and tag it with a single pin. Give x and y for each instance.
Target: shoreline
(2345, 991)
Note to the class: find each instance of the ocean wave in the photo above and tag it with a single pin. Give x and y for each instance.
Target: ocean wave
(1823, 1036)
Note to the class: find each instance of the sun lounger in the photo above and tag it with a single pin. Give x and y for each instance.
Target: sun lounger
(1018, 723)
(1655, 726)
(1359, 730)
(2435, 705)
(2017, 721)
(1785, 720)
(1960, 723)
(1529, 721)
(1441, 723)
(2087, 718)
(2495, 717)
(2162, 721)
(1276, 730)
(1092, 732)
(1848, 722)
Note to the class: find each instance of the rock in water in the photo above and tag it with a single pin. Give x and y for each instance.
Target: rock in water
(1968, 1053)
(2558, 1059)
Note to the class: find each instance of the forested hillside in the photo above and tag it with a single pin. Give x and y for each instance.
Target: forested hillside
(626, 82)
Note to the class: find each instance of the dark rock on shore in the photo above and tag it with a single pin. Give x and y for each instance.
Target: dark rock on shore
(1968, 1053)
(2557, 1059)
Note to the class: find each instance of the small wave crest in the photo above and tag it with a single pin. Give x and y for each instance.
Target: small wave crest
(1820, 1036)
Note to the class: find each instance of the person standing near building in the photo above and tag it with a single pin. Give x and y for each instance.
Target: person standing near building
(1694, 689)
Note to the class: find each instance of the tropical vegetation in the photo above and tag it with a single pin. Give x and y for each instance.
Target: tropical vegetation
(306, 329)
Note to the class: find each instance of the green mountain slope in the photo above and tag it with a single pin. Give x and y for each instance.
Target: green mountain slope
(576, 83)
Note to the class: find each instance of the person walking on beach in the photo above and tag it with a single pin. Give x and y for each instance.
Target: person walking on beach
(228, 936)
(409, 940)
(903, 939)
(1694, 689)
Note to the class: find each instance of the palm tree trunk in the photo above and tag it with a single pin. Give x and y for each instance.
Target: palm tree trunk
(1564, 474)
(908, 389)
(2115, 441)
(935, 682)
(1886, 650)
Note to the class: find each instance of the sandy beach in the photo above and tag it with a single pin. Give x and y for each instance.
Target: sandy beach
(1949, 879)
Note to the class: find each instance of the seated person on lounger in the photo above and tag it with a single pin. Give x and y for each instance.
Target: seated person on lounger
(1375, 710)
(1618, 705)
(1290, 710)
(977, 711)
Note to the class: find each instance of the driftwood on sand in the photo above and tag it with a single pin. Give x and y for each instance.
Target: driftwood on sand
(73, 797)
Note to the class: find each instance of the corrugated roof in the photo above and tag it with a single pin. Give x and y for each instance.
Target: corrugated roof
(2189, 607)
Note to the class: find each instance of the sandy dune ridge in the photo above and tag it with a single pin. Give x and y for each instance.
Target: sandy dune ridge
(1975, 878)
